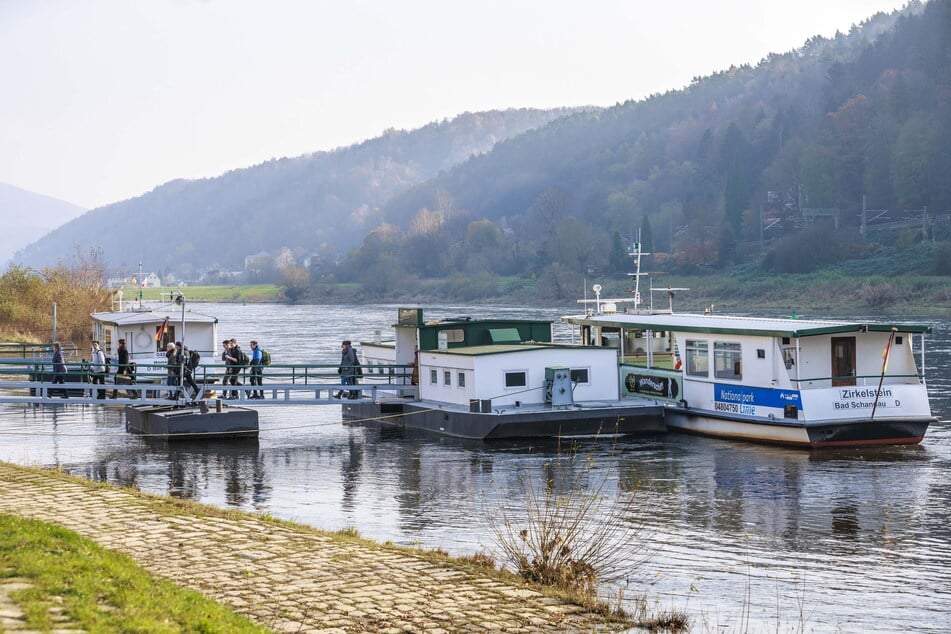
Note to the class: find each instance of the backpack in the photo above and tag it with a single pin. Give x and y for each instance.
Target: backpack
(265, 357)
(243, 358)
(193, 359)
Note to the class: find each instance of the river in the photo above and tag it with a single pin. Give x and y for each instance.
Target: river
(743, 537)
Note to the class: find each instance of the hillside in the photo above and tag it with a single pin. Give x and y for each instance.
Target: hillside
(26, 216)
(769, 165)
(709, 174)
(323, 201)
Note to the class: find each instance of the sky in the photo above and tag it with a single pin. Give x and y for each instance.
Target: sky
(103, 100)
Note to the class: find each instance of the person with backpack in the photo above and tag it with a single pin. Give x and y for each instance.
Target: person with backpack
(192, 359)
(348, 370)
(172, 361)
(123, 373)
(59, 369)
(242, 361)
(231, 369)
(257, 369)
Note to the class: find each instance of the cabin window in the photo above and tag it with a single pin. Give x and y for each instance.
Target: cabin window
(163, 336)
(461, 379)
(447, 377)
(454, 335)
(698, 358)
(579, 375)
(898, 340)
(516, 379)
(433, 377)
(727, 361)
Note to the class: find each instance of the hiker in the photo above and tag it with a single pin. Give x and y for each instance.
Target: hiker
(172, 360)
(97, 360)
(188, 358)
(241, 361)
(257, 369)
(59, 369)
(348, 369)
(122, 369)
(229, 362)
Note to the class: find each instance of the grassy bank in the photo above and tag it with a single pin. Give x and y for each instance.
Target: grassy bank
(233, 293)
(830, 292)
(67, 581)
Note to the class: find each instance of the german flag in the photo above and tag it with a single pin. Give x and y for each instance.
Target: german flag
(162, 330)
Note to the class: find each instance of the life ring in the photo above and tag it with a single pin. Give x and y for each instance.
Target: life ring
(142, 340)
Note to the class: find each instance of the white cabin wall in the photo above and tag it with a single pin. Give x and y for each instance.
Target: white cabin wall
(485, 375)
(439, 390)
(815, 360)
(870, 349)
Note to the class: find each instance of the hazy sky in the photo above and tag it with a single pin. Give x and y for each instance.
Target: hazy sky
(102, 100)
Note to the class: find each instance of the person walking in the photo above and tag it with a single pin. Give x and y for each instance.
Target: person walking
(347, 369)
(59, 369)
(257, 370)
(188, 371)
(172, 362)
(123, 372)
(227, 360)
(97, 362)
(241, 361)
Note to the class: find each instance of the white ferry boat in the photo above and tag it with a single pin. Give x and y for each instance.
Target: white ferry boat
(148, 328)
(498, 378)
(789, 381)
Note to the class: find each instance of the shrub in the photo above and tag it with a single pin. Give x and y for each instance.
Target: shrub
(572, 533)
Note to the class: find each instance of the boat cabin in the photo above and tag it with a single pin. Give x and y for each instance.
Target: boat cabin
(147, 331)
(765, 367)
(505, 361)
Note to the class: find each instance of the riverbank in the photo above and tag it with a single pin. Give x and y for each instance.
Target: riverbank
(743, 290)
(288, 577)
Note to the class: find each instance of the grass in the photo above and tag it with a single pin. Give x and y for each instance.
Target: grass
(124, 579)
(233, 293)
(98, 590)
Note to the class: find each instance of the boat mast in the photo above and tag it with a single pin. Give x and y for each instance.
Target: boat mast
(636, 253)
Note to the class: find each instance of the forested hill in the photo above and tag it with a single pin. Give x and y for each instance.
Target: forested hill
(706, 173)
(700, 170)
(326, 201)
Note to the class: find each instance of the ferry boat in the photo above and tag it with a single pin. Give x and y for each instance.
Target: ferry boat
(498, 378)
(808, 383)
(147, 329)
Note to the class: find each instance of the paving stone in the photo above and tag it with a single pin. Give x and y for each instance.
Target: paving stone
(289, 578)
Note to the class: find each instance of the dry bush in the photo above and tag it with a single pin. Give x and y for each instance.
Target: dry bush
(27, 296)
(572, 533)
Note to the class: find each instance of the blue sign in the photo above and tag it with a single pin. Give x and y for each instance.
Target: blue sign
(756, 396)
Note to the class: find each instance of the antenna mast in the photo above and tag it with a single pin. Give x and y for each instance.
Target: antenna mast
(636, 253)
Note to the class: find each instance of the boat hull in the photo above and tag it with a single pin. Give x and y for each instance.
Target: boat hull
(835, 433)
(515, 422)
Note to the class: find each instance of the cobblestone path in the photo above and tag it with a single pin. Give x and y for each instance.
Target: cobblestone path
(288, 579)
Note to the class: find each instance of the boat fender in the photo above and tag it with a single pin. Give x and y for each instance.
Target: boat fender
(678, 365)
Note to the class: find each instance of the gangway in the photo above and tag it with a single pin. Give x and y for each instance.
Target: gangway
(29, 381)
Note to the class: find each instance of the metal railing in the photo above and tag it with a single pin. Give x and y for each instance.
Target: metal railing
(34, 381)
